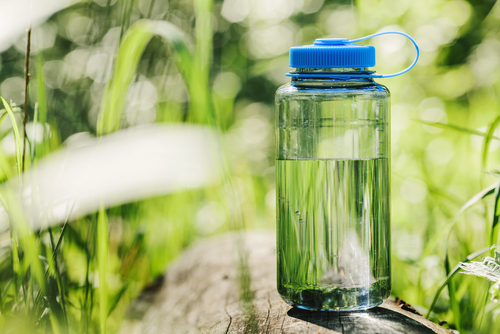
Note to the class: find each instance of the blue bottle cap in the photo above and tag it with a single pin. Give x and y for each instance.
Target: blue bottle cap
(332, 53)
(342, 53)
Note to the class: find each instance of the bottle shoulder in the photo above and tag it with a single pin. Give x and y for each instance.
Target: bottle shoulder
(325, 88)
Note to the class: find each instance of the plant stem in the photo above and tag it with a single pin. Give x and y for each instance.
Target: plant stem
(58, 276)
(450, 276)
(151, 6)
(26, 83)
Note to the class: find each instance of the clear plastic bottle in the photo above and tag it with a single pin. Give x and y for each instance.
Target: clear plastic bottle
(333, 180)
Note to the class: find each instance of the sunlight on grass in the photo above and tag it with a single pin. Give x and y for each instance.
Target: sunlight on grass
(102, 66)
(134, 42)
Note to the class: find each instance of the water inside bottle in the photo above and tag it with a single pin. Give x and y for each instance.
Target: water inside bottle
(333, 232)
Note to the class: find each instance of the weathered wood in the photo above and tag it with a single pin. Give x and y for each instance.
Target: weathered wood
(228, 285)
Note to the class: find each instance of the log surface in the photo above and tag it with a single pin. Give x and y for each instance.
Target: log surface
(228, 285)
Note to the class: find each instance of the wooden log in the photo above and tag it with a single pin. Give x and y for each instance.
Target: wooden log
(228, 285)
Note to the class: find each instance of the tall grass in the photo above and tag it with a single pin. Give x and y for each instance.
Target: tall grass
(79, 277)
(52, 297)
(102, 260)
(493, 189)
(17, 136)
(134, 42)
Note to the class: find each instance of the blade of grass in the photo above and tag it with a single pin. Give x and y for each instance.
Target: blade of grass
(59, 281)
(487, 139)
(201, 108)
(447, 126)
(116, 298)
(126, 14)
(16, 264)
(55, 325)
(2, 118)
(50, 261)
(42, 99)
(88, 304)
(35, 122)
(245, 288)
(4, 162)
(26, 95)
(484, 305)
(450, 276)
(54, 251)
(455, 306)
(17, 136)
(496, 216)
(438, 237)
(151, 6)
(40, 88)
(493, 236)
(27, 238)
(474, 199)
(102, 260)
(433, 243)
(6, 169)
(134, 42)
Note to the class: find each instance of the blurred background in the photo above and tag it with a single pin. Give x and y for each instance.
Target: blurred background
(218, 66)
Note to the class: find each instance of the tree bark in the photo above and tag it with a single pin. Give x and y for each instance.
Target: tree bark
(228, 285)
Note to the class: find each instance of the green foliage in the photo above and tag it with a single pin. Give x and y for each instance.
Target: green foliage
(17, 137)
(125, 63)
(102, 261)
(131, 48)
(451, 274)
(489, 268)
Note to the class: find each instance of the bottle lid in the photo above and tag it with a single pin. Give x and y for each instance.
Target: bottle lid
(342, 53)
(332, 53)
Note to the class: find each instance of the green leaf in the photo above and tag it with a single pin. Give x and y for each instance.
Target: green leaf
(44, 148)
(17, 137)
(496, 216)
(26, 236)
(116, 298)
(75, 236)
(447, 126)
(54, 323)
(131, 48)
(102, 261)
(454, 303)
(486, 143)
(40, 88)
(201, 110)
(450, 276)
(438, 237)
(33, 142)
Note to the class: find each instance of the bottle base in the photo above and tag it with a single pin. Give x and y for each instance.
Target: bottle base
(337, 299)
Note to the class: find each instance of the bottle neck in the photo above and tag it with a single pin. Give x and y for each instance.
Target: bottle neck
(320, 76)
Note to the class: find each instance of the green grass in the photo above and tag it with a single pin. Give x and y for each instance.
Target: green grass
(52, 291)
(134, 42)
(79, 277)
(17, 137)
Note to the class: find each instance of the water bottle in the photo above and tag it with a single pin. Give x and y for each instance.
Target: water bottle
(333, 178)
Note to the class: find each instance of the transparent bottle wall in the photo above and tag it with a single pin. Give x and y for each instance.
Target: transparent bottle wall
(332, 180)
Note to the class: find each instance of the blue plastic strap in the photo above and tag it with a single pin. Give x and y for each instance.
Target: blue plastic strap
(368, 75)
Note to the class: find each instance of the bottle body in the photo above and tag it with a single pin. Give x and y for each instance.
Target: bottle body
(332, 193)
